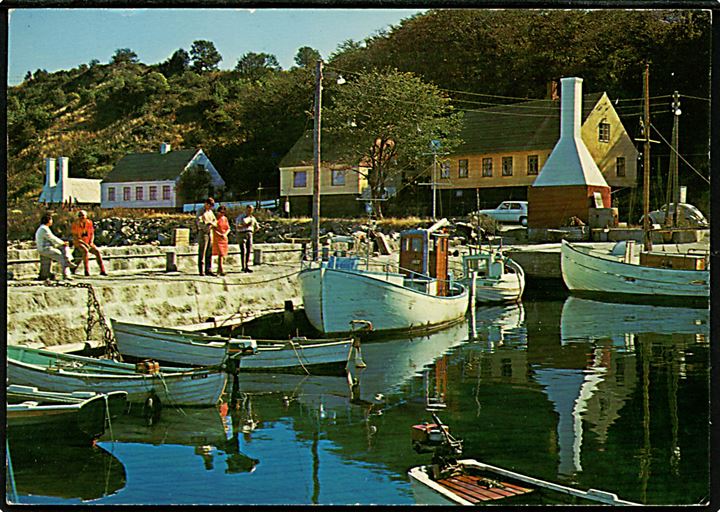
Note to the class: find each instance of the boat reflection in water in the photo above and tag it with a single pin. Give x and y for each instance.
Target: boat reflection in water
(209, 431)
(389, 364)
(72, 473)
(605, 370)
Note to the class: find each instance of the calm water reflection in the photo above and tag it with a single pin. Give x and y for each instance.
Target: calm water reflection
(600, 395)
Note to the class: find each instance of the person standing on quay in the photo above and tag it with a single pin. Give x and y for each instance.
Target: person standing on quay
(246, 225)
(205, 221)
(286, 207)
(50, 246)
(83, 234)
(220, 238)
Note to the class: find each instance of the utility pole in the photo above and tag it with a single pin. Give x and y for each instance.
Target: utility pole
(259, 196)
(434, 146)
(647, 239)
(315, 227)
(674, 156)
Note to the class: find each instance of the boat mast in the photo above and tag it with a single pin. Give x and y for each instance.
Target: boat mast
(315, 226)
(646, 162)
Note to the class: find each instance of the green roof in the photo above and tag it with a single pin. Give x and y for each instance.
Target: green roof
(522, 126)
(150, 166)
(301, 154)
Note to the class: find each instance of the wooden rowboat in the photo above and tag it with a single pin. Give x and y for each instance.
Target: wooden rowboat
(67, 373)
(449, 481)
(497, 277)
(177, 347)
(74, 419)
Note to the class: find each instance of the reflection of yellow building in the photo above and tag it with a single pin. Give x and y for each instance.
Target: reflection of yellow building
(340, 184)
(505, 147)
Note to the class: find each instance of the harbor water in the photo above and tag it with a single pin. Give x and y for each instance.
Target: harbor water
(582, 392)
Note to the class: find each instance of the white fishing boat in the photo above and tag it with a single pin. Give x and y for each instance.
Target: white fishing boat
(449, 481)
(75, 419)
(419, 296)
(176, 346)
(67, 373)
(497, 278)
(620, 271)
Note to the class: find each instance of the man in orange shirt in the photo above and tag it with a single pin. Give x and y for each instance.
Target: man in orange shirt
(83, 235)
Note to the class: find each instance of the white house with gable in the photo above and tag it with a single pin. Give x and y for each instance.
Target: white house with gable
(150, 180)
(59, 187)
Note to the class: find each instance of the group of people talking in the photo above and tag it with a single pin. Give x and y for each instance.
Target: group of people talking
(213, 236)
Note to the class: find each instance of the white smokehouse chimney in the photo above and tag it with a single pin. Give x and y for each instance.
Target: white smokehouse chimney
(164, 148)
(570, 162)
(50, 172)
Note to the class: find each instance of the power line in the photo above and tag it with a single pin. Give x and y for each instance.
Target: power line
(679, 155)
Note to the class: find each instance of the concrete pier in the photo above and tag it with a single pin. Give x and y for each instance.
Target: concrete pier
(144, 292)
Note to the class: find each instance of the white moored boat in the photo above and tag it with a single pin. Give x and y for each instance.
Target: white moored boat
(67, 373)
(175, 346)
(298, 355)
(585, 269)
(417, 297)
(497, 277)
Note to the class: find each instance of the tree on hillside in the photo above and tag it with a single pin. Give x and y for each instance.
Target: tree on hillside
(194, 184)
(388, 121)
(205, 56)
(255, 66)
(178, 63)
(124, 56)
(306, 57)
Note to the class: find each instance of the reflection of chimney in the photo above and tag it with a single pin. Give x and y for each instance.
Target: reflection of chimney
(164, 148)
(50, 180)
(552, 90)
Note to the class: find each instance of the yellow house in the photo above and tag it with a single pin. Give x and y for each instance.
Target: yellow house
(506, 146)
(341, 184)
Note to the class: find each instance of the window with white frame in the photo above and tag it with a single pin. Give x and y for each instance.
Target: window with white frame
(604, 132)
(445, 170)
(166, 192)
(507, 166)
(152, 193)
(532, 165)
(338, 178)
(111, 194)
(138, 193)
(300, 179)
(620, 166)
(463, 168)
(126, 193)
(487, 167)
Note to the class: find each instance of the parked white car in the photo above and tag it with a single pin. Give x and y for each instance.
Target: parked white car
(508, 211)
(688, 215)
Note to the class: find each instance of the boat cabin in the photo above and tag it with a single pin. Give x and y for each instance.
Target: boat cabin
(488, 265)
(424, 255)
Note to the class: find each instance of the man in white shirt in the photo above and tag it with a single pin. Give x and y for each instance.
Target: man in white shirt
(205, 221)
(246, 224)
(50, 246)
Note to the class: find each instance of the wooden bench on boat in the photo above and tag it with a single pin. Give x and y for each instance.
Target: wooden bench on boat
(476, 489)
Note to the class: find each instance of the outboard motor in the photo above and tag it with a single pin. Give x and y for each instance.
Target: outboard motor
(435, 438)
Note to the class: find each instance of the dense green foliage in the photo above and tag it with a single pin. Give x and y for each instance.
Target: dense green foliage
(247, 118)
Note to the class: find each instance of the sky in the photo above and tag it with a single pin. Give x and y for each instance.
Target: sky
(56, 39)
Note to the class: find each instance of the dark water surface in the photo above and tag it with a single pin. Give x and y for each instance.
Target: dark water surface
(586, 393)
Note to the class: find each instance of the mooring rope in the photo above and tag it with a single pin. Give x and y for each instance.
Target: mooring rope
(298, 356)
(11, 474)
(167, 393)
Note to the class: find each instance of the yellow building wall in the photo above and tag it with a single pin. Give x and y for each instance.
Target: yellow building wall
(604, 153)
(620, 144)
(355, 183)
(475, 179)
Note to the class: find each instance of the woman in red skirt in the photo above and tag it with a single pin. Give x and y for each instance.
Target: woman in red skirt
(220, 240)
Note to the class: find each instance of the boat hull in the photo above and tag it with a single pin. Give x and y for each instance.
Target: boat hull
(169, 345)
(64, 373)
(584, 271)
(333, 298)
(326, 358)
